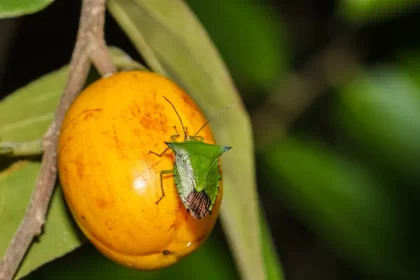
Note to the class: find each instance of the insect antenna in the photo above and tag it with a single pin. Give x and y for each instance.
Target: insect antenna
(214, 116)
(182, 124)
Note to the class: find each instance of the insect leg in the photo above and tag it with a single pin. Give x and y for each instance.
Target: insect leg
(199, 138)
(173, 137)
(163, 172)
(159, 155)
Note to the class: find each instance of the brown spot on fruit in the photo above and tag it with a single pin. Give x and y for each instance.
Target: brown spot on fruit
(116, 137)
(102, 203)
(88, 112)
(80, 166)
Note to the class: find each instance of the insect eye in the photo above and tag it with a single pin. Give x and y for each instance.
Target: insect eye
(226, 148)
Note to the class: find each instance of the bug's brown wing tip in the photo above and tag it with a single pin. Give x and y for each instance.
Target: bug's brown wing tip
(198, 204)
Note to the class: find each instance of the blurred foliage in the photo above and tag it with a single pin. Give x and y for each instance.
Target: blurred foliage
(15, 8)
(345, 203)
(409, 64)
(241, 26)
(362, 11)
(380, 110)
(273, 269)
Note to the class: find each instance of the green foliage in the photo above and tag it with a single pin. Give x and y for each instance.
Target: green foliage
(15, 8)
(60, 236)
(362, 11)
(25, 115)
(241, 26)
(380, 110)
(345, 203)
(409, 65)
(274, 271)
(174, 44)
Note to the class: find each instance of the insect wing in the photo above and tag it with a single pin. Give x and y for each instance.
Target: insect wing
(183, 175)
(212, 183)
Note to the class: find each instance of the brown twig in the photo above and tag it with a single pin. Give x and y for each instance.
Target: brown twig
(90, 46)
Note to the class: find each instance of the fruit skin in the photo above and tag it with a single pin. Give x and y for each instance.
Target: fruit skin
(110, 180)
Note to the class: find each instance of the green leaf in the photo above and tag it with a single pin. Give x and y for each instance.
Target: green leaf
(409, 64)
(16, 186)
(271, 260)
(175, 44)
(25, 115)
(345, 204)
(15, 8)
(362, 11)
(209, 262)
(380, 110)
(237, 23)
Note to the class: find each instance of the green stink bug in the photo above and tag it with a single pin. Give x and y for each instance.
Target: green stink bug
(196, 169)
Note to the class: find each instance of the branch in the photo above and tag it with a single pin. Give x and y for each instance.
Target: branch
(90, 46)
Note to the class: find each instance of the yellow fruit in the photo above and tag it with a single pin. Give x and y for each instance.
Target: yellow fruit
(110, 180)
